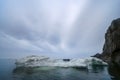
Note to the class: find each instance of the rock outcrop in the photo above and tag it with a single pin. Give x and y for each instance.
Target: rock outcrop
(111, 48)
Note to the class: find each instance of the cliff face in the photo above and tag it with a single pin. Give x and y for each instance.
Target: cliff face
(111, 48)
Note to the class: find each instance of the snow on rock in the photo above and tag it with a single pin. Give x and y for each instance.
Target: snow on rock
(36, 61)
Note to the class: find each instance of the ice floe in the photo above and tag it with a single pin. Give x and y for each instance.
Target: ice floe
(36, 61)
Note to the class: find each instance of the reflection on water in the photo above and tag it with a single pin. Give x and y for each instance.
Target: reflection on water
(114, 71)
(9, 72)
(57, 73)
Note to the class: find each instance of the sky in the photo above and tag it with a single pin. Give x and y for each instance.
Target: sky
(55, 28)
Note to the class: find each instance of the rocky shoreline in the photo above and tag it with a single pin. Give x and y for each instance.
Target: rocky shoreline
(111, 48)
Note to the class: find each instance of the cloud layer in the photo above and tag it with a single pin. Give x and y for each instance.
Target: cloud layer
(56, 28)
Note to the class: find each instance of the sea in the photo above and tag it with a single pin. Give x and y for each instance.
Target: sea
(9, 71)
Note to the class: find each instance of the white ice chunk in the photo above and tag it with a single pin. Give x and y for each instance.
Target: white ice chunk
(35, 61)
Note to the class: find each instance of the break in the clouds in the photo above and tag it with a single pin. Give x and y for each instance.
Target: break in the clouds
(56, 28)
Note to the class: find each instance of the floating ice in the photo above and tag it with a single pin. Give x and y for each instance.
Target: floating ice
(36, 61)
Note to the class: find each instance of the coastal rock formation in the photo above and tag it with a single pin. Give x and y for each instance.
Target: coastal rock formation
(36, 61)
(111, 49)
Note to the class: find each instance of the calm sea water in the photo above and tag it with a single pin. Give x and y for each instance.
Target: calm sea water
(8, 71)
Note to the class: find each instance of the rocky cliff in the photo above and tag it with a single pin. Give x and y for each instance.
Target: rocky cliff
(111, 48)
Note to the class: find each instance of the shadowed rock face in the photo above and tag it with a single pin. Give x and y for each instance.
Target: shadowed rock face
(111, 49)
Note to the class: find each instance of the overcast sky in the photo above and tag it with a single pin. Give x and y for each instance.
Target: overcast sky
(55, 28)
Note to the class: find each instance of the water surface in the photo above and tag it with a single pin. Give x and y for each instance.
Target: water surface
(8, 71)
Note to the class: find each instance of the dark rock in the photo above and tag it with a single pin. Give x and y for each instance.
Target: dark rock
(112, 41)
(111, 48)
(66, 60)
(98, 55)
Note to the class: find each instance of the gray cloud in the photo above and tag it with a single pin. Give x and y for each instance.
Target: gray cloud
(61, 28)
